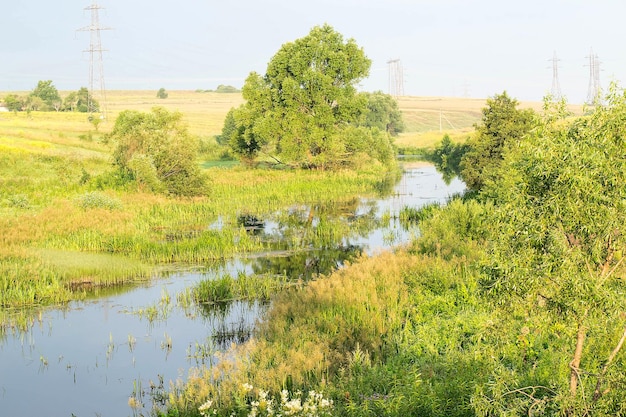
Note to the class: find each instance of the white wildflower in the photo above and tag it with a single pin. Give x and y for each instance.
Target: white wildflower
(205, 407)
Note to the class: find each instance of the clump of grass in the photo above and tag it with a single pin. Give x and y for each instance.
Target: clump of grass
(414, 215)
(80, 270)
(243, 287)
(18, 201)
(25, 280)
(95, 199)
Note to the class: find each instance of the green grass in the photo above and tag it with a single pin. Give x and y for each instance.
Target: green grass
(59, 196)
(243, 287)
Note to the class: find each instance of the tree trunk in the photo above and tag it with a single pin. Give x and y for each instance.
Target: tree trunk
(578, 353)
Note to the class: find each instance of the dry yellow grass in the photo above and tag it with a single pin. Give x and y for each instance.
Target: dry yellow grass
(204, 112)
(427, 119)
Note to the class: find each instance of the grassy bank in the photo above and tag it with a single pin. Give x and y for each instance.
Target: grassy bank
(63, 216)
(388, 335)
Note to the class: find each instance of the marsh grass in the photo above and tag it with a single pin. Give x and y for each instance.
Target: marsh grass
(244, 287)
(59, 195)
(356, 334)
(141, 228)
(88, 270)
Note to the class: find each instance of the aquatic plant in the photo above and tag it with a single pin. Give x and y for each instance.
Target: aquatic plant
(243, 287)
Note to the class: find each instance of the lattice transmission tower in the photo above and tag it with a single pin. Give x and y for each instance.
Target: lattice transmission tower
(96, 73)
(396, 78)
(594, 90)
(556, 86)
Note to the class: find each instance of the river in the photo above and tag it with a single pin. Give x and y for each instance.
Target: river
(88, 358)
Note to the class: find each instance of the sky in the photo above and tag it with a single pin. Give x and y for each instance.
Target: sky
(456, 48)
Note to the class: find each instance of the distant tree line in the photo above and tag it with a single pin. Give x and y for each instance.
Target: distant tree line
(221, 89)
(45, 97)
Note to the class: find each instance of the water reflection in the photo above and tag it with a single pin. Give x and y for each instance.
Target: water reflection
(88, 357)
(306, 241)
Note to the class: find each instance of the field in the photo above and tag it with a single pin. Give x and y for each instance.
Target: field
(427, 119)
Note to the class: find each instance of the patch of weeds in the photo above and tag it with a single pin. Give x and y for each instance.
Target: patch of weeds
(95, 199)
(18, 201)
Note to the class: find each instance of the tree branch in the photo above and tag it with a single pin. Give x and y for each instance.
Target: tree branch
(597, 393)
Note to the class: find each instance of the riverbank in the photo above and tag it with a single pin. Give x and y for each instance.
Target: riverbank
(139, 337)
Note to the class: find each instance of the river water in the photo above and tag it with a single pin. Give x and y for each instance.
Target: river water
(88, 358)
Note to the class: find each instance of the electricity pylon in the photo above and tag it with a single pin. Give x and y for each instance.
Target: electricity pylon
(556, 86)
(96, 73)
(594, 90)
(396, 78)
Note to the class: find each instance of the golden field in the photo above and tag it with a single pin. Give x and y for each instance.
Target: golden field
(427, 119)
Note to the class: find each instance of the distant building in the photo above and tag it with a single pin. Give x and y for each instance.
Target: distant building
(3, 108)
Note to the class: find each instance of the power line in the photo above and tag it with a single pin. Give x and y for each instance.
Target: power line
(396, 78)
(95, 62)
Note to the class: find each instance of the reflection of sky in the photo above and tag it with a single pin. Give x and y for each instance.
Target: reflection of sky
(418, 187)
(90, 366)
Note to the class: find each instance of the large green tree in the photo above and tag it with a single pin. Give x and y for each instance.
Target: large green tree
(156, 150)
(79, 101)
(382, 111)
(47, 92)
(559, 235)
(304, 110)
(502, 123)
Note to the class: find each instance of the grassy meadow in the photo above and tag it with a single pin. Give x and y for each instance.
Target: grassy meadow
(66, 226)
(62, 217)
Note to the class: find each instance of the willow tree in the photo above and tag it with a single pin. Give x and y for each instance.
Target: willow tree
(502, 123)
(156, 150)
(560, 222)
(304, 111)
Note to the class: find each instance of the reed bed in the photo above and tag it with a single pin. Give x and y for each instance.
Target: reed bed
(49, 205)
(243, 287)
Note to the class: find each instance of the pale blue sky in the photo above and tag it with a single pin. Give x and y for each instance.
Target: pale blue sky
(447, 47)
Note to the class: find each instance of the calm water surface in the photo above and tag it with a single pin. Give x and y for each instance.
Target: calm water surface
(87, 358)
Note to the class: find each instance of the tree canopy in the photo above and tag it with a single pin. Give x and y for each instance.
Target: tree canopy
(162, 93)
(156, 150)
(558, 241)
(305, 110)
(502, 123)
(79, 101)
(383, 113)
(47, 92)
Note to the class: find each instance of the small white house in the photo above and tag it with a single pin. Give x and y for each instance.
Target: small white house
(3, 109)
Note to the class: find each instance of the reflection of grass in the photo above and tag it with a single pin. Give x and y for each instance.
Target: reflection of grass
(93, 269)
